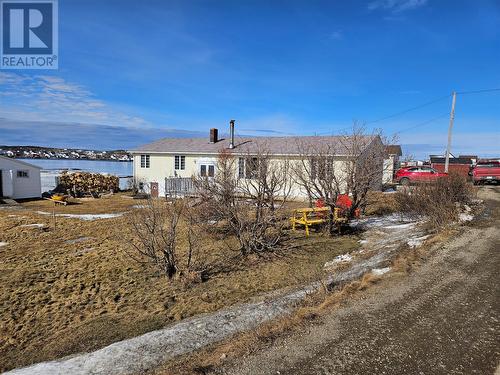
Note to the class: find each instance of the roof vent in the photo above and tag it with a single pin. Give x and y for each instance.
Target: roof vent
(231, 134)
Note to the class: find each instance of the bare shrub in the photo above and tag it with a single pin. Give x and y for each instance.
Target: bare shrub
(439, 201)
(248, 206)
(158, 239)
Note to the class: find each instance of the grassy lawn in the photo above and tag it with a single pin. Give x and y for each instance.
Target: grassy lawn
(75, 289)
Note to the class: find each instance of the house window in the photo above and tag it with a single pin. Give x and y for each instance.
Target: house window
(321, 167)
(22, 174)
(180, 162)
(241, 167)
(207, 170)
(145, 162)
(248, 167)
(251, 166)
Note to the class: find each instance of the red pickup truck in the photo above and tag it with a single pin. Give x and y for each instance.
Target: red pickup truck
(486, 171)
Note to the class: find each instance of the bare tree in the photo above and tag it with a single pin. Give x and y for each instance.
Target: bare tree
(348, 164)
(157, 236)
(248, 193)
(365, 164)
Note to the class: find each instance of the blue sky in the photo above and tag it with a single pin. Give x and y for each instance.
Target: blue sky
(133, 71)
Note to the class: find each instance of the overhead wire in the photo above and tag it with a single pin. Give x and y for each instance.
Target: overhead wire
(410, 109)
(436, 100)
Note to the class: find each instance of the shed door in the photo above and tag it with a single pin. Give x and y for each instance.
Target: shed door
(154, 189)
(1, 186)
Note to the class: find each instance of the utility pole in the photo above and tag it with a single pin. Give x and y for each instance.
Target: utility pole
(450, 127)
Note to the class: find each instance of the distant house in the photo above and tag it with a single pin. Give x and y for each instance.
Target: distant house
(391, 162)
(19, 180)
(160, 164)
(461, 164)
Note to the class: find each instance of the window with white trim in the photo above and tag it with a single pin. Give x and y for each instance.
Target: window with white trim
(179, 162)
(145, 161)
(23, 174)
(207, 170)
(248, 167)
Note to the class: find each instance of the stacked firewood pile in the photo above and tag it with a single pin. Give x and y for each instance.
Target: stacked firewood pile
(79, 183)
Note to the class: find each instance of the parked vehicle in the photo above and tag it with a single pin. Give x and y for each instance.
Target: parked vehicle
(486, 171)
(408, 175)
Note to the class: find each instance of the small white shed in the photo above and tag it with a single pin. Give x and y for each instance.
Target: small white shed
(19, 180)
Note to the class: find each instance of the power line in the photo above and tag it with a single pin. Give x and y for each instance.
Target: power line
(423, 123)
(410, 109)
(418, 107)
(333, 131)
(477, 91)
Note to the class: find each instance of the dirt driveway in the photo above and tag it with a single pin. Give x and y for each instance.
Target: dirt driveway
(441, 319)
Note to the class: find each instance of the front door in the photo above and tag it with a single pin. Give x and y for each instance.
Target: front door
(154, 189)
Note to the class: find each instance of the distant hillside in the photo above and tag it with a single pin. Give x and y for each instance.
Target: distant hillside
(36, 152)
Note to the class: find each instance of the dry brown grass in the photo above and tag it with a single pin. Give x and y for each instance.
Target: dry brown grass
(379, 203)
(60, 297)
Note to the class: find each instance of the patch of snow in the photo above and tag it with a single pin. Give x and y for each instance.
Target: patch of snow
(90, 217)
(465, 217)
(85, 217)
(3, 244)
(338, 259)
(380, 271)
(363, 241)
(138, 206)
(416, 242)
(33, 225)
(400, 226)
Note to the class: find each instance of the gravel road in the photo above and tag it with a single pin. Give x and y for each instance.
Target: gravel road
(441, 319)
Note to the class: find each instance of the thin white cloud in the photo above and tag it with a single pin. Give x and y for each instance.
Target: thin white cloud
(396, 6)
(50, 98)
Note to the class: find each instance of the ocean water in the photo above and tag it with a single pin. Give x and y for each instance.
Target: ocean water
(53, 167)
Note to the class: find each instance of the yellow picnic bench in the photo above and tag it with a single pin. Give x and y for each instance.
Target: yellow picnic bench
(315, 216)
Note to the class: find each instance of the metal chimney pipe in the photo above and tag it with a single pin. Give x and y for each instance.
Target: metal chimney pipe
(231, 134)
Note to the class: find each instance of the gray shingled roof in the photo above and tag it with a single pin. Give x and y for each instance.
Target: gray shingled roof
(273, 145)
(394, 150)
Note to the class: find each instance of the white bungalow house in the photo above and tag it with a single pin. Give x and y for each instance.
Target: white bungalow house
(18, 179)
(158, 164)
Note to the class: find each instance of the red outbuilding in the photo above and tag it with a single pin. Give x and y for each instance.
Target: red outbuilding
(461, 164)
